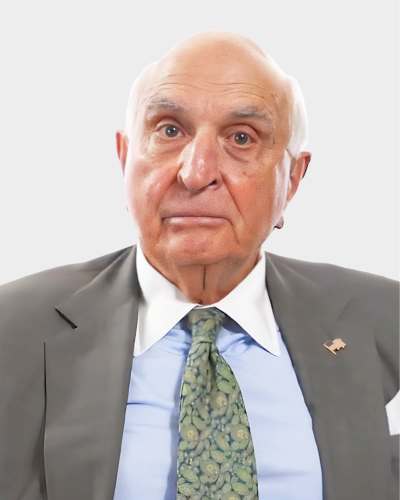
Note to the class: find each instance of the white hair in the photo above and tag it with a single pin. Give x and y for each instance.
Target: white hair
(132, 105)
(298, 137)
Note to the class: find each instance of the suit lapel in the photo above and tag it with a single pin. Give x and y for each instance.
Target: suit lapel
(344, 392)
(88, 365)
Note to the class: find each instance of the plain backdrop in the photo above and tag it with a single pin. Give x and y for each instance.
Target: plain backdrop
(65, 73)
(66, 69)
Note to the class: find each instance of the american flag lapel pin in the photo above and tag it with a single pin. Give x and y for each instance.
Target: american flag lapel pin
(335, 345)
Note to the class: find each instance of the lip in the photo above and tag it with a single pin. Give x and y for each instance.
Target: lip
(191, 212)
(209, 220)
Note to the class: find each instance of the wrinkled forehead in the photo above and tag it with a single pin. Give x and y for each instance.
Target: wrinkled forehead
(195, 79)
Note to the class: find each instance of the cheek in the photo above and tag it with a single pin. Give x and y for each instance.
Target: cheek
(260, 197)
(253, 192)
(145, 186)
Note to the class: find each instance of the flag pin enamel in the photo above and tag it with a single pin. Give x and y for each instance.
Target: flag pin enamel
(335, 345)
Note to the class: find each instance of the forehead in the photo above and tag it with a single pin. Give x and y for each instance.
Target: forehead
(186, 95)
(210, 80)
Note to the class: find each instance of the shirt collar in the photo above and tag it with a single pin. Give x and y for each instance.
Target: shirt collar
(163, 305)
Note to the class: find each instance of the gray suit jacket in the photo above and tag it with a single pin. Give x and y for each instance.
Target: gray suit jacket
(66, 347)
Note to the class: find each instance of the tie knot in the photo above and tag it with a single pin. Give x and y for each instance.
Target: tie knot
(205, 323)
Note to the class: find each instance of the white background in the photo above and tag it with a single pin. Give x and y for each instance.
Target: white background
(66, 69)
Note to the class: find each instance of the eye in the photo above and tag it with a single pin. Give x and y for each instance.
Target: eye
(170, 130)
(241, 138)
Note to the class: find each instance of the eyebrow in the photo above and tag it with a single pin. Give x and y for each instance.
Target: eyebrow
(157, 104)
(252, 112)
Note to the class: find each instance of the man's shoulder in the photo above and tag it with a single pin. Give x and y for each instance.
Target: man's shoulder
(62, 277)
(35, 295)
(370, 295)
(331, 275)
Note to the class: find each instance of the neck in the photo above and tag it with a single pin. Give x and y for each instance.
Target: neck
(205, 283)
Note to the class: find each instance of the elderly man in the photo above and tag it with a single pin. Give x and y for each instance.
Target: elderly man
(194, 365)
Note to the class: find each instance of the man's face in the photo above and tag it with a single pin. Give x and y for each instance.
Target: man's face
(206, 172)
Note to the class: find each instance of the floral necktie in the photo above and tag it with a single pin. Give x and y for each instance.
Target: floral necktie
(215, 454)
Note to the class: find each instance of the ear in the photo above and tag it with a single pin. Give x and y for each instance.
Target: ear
(298, 169)
(122, 147)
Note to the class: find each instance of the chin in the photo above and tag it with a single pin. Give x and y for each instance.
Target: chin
(196, 252)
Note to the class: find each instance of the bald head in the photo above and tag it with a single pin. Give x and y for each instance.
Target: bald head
(218, 58)
(222, 47)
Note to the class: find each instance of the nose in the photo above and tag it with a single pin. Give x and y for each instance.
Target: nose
(200, 163)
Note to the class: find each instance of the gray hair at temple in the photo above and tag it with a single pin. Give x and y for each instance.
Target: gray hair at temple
(298, 137)
(299, 122)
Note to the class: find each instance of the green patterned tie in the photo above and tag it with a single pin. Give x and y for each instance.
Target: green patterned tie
(215, 455)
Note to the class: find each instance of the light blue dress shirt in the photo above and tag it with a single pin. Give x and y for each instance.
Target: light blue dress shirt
(287, 458)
